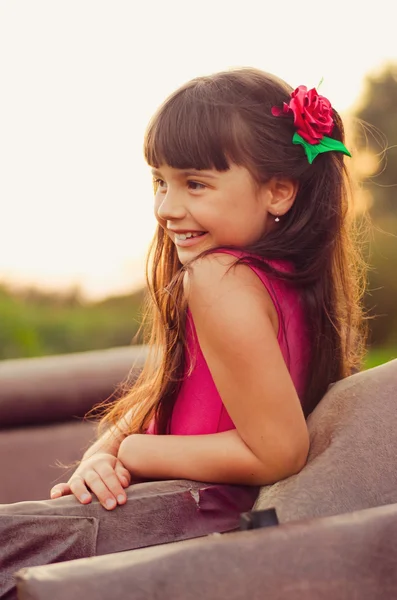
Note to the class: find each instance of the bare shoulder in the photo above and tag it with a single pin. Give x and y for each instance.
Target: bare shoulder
(216, 285)
(218, 273)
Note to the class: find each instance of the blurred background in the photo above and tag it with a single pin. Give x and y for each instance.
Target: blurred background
(79, 82)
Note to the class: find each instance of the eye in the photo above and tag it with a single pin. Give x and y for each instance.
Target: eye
(158, 184)
(195, 185)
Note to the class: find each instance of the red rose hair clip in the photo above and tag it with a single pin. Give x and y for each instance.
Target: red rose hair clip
(313, 119)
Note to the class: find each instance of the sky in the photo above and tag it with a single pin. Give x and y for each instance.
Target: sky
(79, 81)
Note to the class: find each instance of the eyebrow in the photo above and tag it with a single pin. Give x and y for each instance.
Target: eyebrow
(188, 173)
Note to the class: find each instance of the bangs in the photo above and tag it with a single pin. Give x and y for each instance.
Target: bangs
(195, 128)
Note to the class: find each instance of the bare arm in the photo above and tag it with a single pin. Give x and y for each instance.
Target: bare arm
(218, 458)
(236, 325)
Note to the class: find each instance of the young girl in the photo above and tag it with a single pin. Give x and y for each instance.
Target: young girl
(254, 287)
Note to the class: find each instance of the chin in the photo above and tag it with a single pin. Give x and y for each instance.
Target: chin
(185, 257)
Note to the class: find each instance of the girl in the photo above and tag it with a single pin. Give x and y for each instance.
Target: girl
(254, 290)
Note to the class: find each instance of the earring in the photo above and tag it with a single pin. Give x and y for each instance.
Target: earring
(277, 218)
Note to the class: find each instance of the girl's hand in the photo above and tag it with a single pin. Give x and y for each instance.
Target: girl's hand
(102, 474)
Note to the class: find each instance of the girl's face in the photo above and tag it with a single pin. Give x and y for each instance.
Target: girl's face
(205, 209)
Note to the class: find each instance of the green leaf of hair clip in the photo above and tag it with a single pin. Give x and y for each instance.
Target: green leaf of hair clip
(325, 145)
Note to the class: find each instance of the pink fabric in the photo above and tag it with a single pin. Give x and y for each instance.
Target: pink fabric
(199, 408)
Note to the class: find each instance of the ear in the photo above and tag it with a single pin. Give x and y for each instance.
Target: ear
(280, 195)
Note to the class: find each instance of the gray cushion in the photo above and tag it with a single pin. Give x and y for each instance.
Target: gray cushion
(342, 557)
(155, 513)
(42, 539)
(352, 461)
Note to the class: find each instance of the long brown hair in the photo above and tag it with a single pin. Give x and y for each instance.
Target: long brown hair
(225, 118)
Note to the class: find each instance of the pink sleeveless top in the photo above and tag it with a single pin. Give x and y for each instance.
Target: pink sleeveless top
(199, 408)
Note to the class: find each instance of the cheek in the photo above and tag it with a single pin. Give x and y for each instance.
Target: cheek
(244, 225)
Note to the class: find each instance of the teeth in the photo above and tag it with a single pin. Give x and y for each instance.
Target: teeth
(185, 236)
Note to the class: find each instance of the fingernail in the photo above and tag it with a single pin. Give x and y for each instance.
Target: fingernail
(121, 499)
(55, 494)
(125, 481)
(110, 503)
(84, 497)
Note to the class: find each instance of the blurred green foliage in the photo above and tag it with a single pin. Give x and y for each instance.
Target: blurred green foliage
(36, 323)
(378, 356)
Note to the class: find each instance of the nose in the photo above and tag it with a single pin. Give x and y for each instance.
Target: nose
(170, 207)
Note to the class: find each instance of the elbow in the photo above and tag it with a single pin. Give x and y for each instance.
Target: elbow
(285, 463)
(294, 456)
(294, 459)
(298, 459)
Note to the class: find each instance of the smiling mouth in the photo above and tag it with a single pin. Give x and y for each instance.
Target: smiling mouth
(184, 240)
(189, 235)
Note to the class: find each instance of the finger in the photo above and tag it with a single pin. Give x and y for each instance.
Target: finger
(60, 489)
(79, 489)
(112, 482)
(100, 489)
(123, 474)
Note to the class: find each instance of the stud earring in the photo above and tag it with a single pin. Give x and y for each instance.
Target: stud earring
(277, 218)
